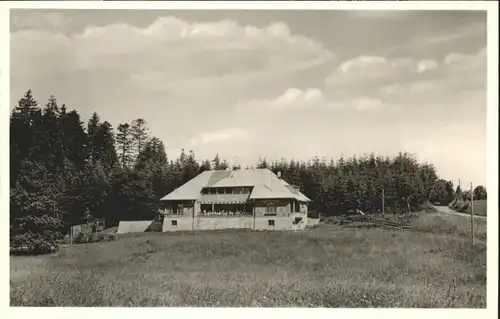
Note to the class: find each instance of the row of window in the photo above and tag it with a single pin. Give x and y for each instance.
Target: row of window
(271, 208)
(226, 190)
(270, 222)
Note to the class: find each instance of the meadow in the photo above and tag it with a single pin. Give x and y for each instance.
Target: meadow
(480, 207)
(432, 265)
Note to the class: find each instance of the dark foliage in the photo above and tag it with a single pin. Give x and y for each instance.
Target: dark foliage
(63, 173)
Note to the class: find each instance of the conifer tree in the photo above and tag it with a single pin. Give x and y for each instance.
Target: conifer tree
(74, 139)
(139, 132)
(124, 144)
(92, 128)
(205, 166)
(105, 145)
(21, 132)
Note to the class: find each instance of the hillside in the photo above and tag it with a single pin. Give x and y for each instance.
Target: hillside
(329, 266)
(480, 207)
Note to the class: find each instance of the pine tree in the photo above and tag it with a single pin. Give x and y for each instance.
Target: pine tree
(131, 198)
(224, 165)
(216, 162)
(21, 133)
(153, 163)
(96, 189)
(105, 145)
(35, 215)
(92, 128)
(205, 166)
(47, 148)
(262, 163)
(190, 167)
(71, 201)
(140, 135)
(124, 145)
(74, 138)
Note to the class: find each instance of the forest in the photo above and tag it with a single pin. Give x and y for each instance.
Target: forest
(65, 172)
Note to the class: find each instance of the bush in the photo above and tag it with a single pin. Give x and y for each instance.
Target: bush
(312, 214)
(32, 244)
(83, 238)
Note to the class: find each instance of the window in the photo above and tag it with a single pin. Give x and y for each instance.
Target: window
(271, 209)
(241, 190)
(213, 191)
(297, 207)
(271, 222)
(174, 223)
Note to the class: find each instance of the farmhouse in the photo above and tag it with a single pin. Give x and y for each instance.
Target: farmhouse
(221, 199)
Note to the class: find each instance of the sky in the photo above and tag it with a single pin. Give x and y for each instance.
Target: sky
(271, 84)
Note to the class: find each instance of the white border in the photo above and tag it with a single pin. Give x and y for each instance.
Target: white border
(267, 5)
(492, 142)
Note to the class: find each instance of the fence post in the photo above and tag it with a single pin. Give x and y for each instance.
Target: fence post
(472, 213)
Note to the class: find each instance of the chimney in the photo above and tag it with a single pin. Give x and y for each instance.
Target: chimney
(279, 174)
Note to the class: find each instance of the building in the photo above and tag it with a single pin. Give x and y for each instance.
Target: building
(251, 198)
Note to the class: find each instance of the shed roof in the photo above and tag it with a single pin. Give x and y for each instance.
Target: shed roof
(265, 183)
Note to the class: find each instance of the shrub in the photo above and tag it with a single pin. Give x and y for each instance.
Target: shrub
(312, 214)
(83, 238)
(32, 244)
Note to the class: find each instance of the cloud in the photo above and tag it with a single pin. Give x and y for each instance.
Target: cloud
(295, 98)
(364, 64)
(26, 19)
(311, 100)
(376, 68)
(169, 50)
(466, 62)
(364, 75)
(367, 104)
(291, 99)
(374, 84)
(426, 65)
(224, 135)
(466, 30)
(457, 82)
(379, 14)
(461, 77)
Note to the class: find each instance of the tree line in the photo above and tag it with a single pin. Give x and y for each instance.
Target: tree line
(65, 172)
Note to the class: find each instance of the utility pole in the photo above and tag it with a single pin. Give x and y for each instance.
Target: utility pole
(459, 186)
(472, 213)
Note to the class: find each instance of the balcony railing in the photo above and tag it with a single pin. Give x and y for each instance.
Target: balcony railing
(224, 214)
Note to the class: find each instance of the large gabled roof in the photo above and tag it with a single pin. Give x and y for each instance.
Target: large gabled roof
(266, 185)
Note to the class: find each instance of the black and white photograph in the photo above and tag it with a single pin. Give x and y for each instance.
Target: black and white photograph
(224, 158)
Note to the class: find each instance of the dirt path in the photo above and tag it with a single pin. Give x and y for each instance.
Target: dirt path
(447, 210)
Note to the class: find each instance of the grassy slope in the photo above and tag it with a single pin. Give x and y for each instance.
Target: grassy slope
(480, 208)
(327, 267)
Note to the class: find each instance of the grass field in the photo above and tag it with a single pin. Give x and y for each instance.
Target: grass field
(433, 265)
(480, 207)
